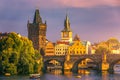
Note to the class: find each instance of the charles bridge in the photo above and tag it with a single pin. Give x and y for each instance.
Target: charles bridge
(111, 59)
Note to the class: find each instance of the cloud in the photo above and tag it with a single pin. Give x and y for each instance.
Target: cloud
(74, 3)
(89, 3)
(26, 4)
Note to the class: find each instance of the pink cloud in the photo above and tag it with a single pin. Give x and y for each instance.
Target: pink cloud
(59, 3)
(88, 3)
(73, 3)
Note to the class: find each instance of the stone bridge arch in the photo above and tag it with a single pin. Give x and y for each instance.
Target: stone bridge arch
(47, 62)
(112, 64)
(47, 59)
(95, 58)
(112, 59)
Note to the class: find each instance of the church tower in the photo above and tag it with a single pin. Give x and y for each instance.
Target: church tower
(66, 33)
(37, 32)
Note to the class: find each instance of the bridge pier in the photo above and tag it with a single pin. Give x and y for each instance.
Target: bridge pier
(104, 64)
(75, 68)
(111, 69)
(44, 69)
(62, 64)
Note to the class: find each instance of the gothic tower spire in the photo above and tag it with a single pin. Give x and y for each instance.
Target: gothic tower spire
(67, 24)
(37, 32)
(37, 17)
(66, 33)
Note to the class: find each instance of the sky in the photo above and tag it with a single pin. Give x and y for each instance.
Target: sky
(92, 20)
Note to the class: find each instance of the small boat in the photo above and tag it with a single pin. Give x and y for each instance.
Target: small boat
(34, 76)
(87, 72)
(7, 74)
(78, 76)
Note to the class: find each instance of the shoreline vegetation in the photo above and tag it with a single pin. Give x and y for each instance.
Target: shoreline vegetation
(17, 55)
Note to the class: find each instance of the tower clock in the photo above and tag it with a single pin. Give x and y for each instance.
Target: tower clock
(66, 33)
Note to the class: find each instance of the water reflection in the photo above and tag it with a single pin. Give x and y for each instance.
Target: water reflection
(56, 72)
(81, 75)
(105, 75)
(14, 77)
(68, 74)
(85, 72)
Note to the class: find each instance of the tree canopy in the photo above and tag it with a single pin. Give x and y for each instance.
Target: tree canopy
(107, 46)
(17, 55)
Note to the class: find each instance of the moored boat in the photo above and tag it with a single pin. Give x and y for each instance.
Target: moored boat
(7, 74)
(78, 76)
(34, 76)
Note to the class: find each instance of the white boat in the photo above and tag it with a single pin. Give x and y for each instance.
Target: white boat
(34, 76)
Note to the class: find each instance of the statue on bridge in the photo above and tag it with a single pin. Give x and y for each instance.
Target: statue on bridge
(67, 63)
(105, 64)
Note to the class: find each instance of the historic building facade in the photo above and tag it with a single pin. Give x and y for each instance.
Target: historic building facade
(49, 49)
(88, 46)
(37, 32)
(61, 48)
(77, 47)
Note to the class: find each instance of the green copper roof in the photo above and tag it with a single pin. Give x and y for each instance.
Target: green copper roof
(37, 18)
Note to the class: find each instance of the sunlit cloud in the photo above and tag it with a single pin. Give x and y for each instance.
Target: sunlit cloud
(89, 3)
(74, 3)
(57, 3)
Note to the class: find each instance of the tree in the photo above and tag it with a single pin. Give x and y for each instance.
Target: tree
(102, 48)
(39, 62)
(113, 43)
(17, 55)
(107, 46)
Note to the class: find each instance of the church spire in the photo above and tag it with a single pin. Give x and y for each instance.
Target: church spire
(67, 24)
(37, 18)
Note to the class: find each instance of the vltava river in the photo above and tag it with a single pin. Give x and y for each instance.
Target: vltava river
(82, 75)
(92, 75)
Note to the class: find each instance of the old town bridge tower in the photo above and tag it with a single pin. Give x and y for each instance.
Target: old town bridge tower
(37, 32)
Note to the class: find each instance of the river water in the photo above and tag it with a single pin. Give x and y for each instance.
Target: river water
(82, 75)
(92, 75)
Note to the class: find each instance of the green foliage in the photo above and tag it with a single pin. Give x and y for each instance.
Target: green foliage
(11, 68)
(113, 43)
(39, 62)
(102, 49)
(17, 55)
(107, 46)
